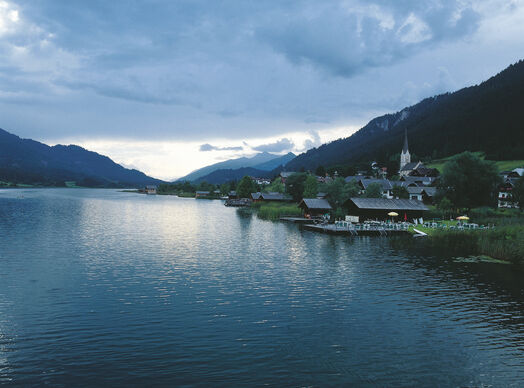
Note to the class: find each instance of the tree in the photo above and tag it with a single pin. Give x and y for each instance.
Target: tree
(336, 193)
(310, 187)
(374, 190)
(224, 188)
(295, 185)
(400, 192)
(320, 171)
(517, 193)
(469, 181)
(445, 206)
(245, 187)
(275, 187)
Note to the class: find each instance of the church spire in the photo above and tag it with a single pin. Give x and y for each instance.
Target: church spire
(405, 148)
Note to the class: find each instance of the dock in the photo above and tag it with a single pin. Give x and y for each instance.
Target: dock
(244, 202)
(298, 220)
(358, 229)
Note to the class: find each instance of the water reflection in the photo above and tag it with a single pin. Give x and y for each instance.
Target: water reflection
(116, 288)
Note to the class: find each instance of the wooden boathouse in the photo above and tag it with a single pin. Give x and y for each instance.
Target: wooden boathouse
(378, 208)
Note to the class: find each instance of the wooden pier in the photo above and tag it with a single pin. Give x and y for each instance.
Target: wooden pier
(244, 202)
(357, 230)
(298, 220)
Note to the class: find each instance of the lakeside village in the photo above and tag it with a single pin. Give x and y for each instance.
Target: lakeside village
(469, 195)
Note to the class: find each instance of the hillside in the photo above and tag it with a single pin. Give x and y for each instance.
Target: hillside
(502, 165)
(227, 175)
(263, 161)
(31, 162)
(487, 117)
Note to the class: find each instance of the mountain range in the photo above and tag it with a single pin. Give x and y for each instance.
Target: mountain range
(31, 162)
(488, 117)
(260, 164)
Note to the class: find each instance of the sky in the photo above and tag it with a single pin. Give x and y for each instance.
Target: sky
(171, 86)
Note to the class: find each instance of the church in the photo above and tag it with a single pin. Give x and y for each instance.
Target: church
(406, 166)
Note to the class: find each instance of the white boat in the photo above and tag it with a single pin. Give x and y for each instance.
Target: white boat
(419, 233)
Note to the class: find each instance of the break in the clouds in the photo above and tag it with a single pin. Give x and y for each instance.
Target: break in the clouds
(209, 147)
(222, 72)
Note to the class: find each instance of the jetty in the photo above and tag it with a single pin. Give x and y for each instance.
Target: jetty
(243, 202)
(298, 220)
(365, 229)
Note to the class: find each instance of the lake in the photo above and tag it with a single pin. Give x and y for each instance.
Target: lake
(101, 287)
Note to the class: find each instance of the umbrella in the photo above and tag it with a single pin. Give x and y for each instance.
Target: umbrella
(462, 218)
(393, 214)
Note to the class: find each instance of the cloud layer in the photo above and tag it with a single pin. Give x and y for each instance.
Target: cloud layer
(192, 71)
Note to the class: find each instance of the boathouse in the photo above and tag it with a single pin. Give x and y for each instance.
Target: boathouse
(378, 208)
(150, 190)
(270, 197)
(314, 207)
(202, 194)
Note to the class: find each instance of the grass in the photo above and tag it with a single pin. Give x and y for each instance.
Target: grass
(275, 210)
(504, 242)
(502, 165)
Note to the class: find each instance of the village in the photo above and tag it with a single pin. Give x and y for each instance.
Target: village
(380, 206)
(465, 194)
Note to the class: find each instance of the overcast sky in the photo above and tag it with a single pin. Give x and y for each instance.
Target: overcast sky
(170, 86)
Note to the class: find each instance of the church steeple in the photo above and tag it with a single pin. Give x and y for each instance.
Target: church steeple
(405, 157)
(405, 148)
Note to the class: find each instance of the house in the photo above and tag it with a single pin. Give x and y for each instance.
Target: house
(415, 192)
(378, 208)
(423, 171)
(519, 171)
(324, 179)
(384, 183)
(418, 180)
(410, 168)
(151, 190)
(256, 196)
(321, 195)
(314, 207)
(232, 195)
(284, 175)
(261, 181)
(202, 194)
(428, 194)
(270, 197)
(505, 199)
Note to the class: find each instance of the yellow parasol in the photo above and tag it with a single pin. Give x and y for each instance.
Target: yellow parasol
(463, 218)
(393, 214)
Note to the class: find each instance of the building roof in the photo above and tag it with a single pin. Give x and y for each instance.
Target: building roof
(415, 190)
(519, 171)
(430, 191)
(270, 196)
(426, 180)
(202, 192)
(386, 184)
(233, 193)
(315, 203)
(410, 166)
(387, 204)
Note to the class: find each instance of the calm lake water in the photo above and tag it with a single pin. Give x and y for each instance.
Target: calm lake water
(99, 287)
